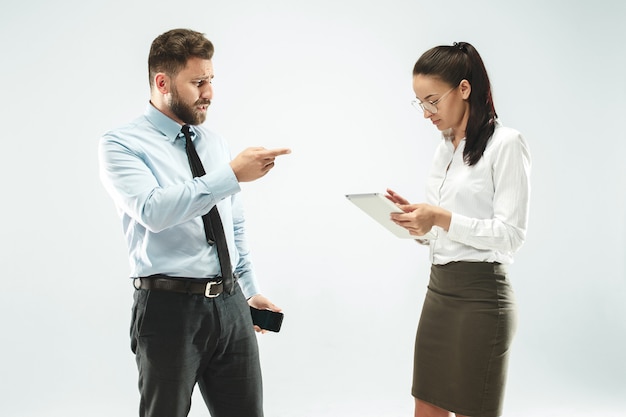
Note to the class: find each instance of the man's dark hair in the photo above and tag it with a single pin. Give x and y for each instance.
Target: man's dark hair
(455, 63)
(171, 50)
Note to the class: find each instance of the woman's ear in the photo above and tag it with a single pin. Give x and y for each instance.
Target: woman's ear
(466, 89)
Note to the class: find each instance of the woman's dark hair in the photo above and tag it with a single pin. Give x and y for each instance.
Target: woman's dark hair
(171, 50)
(455, 63)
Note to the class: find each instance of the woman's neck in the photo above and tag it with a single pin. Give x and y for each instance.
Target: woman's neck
(455, 136)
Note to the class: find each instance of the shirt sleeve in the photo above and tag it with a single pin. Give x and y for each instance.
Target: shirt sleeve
(506, 230)
(247, 277)
(136, 190)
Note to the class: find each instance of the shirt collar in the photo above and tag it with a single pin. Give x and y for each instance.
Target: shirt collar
(167, 126)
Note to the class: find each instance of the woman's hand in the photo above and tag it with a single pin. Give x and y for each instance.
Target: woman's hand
(419, 219)
(396, 198)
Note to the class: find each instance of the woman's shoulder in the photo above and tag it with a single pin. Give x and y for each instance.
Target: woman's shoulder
(506, 132)
(504, 136)
(506, 142)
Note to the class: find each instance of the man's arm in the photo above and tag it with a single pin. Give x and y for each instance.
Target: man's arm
(136, 189)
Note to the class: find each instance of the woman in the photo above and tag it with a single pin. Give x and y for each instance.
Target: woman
(477, 206)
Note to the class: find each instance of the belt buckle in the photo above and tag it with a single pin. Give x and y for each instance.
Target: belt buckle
(207, 291)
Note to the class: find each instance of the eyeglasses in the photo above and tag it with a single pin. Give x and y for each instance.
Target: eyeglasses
(430, 106)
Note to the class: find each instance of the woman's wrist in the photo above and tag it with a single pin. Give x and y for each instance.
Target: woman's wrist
(443, 218)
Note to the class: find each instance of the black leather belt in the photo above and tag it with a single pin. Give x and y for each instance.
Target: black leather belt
(210, 288)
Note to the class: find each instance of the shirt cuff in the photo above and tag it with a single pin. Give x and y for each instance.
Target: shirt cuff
(221, 182)
(460, 227)
(248, 285)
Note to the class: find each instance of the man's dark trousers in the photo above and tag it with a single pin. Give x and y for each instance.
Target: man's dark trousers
(182, 339)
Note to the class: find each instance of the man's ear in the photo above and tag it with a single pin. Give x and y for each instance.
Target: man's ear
(162, 83)
(466, 89)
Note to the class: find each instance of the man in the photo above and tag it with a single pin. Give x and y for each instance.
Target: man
(191, 323)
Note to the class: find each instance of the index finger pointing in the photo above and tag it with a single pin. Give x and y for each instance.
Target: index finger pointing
(276, 152)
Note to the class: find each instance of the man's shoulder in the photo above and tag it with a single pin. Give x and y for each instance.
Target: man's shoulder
(136, 128)
(207, 132)
(211, 139)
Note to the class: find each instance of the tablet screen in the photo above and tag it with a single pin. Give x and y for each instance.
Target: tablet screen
(378, 207)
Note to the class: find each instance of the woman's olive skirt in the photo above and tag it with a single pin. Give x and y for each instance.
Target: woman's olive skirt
(463, 338)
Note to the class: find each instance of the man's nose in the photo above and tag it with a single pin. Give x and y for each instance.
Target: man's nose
(207, 91)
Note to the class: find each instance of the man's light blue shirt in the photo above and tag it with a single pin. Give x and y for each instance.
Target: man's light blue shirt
(144, 168)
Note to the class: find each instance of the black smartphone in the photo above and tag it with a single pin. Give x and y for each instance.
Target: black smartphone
(267, 319)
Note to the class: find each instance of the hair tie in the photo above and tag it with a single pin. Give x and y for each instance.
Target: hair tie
(460, 46)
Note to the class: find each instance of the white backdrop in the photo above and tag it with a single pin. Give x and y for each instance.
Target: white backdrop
(331, 80)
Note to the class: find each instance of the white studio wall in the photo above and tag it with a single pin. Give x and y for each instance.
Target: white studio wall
(332, 81)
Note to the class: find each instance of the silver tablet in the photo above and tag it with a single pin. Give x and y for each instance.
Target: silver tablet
(378, 207)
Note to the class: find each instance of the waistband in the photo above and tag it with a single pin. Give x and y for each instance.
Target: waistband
(210, 287)
(472, 267)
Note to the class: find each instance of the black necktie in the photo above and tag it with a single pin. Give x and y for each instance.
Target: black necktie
(213, 228)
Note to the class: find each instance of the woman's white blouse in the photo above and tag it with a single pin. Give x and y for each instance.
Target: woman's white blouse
(489, 201)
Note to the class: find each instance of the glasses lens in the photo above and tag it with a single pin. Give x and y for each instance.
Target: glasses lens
(429, 107)
(424, 106)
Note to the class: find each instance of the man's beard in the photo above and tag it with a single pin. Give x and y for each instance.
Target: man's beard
(188, 114)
